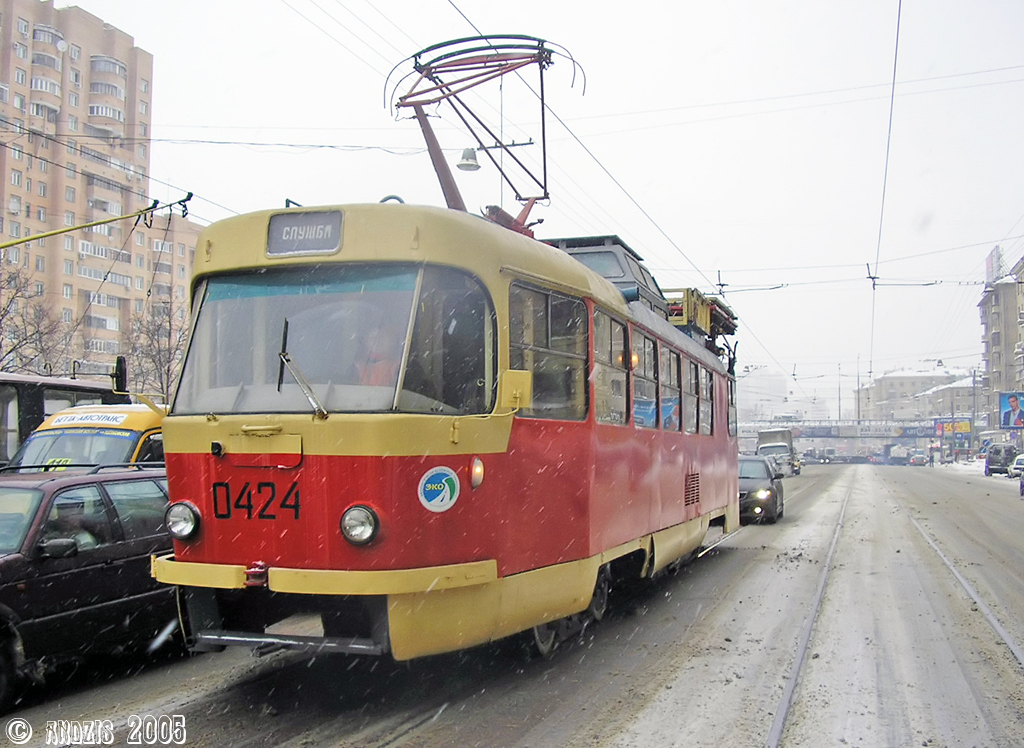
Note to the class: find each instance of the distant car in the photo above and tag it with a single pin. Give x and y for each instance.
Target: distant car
(75, 567)
(1016, 468)
(918, 459)
(999, 458)
(761, 492)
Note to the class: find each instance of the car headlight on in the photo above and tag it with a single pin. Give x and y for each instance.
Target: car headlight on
(762, 493)
(182, 520)
(359, 524)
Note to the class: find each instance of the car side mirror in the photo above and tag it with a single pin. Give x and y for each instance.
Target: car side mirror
(778, 476)
(58, 548)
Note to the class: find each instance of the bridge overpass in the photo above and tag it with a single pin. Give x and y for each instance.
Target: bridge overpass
(933, 428)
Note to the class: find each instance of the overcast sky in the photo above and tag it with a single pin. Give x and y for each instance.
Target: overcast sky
(736, 141)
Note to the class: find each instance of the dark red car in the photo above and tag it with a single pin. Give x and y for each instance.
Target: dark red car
(75, 580)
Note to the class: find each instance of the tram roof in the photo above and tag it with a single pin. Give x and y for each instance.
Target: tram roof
(376, 232)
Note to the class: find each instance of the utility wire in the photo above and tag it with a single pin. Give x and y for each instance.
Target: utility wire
(885, 179)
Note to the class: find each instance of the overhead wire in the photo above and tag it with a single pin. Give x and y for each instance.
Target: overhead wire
(885, 179)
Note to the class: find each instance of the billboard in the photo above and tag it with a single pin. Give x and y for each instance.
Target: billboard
(1010, 414)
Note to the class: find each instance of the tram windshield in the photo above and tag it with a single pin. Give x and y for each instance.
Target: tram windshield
(362, 337)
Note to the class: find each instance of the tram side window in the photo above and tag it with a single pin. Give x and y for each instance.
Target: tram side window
(548, 333)
(8, 422)
(670, 400)
(645, 384)
(609, 369)
(706, 401)
(690, 393)
(733, 419)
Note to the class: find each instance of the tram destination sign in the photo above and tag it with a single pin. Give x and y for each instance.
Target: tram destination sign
(307, 233)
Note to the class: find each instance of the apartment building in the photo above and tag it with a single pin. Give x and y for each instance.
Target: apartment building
(75, 114)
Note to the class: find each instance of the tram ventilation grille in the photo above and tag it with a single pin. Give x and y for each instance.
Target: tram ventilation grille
(691, 494)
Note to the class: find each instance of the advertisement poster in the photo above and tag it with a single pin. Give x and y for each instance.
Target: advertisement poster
(1010, 414)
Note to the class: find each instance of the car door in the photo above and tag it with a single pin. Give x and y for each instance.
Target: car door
(139, 506)
(69, 603)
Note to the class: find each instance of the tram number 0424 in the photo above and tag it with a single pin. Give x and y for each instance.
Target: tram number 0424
(263, 500)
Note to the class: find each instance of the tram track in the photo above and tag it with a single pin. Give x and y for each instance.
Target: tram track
(786, 702)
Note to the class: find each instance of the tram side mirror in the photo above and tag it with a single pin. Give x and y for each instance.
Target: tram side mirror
(515, 390)
(120, 375)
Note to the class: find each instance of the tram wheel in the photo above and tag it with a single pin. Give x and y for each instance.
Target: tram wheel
(545, 638)
(599, 602)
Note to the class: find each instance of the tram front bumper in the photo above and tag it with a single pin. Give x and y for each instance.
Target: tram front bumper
(362, 612)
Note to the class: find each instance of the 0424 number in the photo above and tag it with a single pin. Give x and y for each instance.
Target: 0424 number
(256, 501)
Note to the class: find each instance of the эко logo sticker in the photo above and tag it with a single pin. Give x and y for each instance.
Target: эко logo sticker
(439, 489)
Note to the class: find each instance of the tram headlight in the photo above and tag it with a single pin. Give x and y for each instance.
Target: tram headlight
(476, 472)
(181, 520)
(359, 524)
(762, 493)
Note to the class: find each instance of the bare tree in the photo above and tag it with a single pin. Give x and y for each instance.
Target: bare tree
(32, 339)
(154, 345)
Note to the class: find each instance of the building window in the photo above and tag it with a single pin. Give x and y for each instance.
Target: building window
(69, 218)
(43, 165)
(41, 214)
(143, 107)
(73, 98)
(40, 264)
(16, 177)
(20, 76)
(66, 315)
(69, 269)
(107, 89)
(69, 243)
(142, 151)
(76, 77)
(69, 194)
(138, 306)
(103, 64)
(106, 111)
(23, 27)
(39, 289)
(76, 52)
(21, 51)
(70, 170)
(72, 123)
(19, 103)
(16, 153)
(181, 271)
(145, 86)
(72, 146)
(140, 283)
(140, 240)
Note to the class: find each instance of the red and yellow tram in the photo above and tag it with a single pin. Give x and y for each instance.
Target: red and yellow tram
(428, 432)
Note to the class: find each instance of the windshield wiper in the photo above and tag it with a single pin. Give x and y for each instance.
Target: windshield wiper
(318, 410)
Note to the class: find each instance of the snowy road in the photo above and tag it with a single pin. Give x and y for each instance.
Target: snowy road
(850, 622)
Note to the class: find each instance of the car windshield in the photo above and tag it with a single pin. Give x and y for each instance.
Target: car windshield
(77, 446)
(753, 469)
(773, 449)
(358, 337)
(17, 508)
